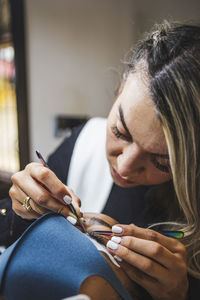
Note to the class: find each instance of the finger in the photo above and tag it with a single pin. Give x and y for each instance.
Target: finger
(36, 211)
(61, 210)
(150, 249)
(72, 194)
(24, 213)
(55, 187)
(21, 197)
(155, 288)
(147, 282)
(75, 201)
(148, 234)
(19, 209)
(48, 179)
(43, 201)
(144, 264)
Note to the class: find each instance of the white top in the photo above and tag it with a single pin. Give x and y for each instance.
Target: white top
(89, 174)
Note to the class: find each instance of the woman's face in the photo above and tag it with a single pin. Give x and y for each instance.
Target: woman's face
(136, 147)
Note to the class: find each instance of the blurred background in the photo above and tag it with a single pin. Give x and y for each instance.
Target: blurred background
(60, 64)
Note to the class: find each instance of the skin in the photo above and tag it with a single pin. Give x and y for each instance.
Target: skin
(155, 262)
(130, 157)
(96, 287)
(44, 188)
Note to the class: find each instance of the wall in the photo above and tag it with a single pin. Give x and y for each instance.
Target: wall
(74, 48)
(74, 52)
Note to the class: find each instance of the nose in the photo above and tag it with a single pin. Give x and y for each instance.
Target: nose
(130, 161)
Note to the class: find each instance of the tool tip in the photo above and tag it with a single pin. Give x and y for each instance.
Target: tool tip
(38, 154)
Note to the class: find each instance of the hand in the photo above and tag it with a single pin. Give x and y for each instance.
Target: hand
(154, 261)
(45, 190)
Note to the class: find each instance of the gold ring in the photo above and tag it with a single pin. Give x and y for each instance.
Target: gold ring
(26, 203)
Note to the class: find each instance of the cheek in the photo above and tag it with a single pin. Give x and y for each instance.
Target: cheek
(154, 176)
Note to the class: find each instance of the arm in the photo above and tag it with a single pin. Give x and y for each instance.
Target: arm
(11, 224)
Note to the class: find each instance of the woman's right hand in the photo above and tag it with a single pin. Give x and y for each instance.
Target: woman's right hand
(45, 190)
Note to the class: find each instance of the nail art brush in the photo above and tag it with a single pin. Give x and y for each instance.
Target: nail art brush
(173, 234)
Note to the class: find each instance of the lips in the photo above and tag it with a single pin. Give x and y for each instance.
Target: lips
(121, 179)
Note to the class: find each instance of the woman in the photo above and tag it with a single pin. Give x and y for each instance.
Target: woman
(152, 139)
(65, 263)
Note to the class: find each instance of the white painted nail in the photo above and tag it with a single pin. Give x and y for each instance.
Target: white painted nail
(112, 245)
(117, 229)
(67, 199)
(118, 258)
(116, 239)
(72, 220)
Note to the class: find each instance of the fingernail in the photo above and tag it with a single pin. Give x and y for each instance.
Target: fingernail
(117, 229)
(112, 245)
(116, 239)
(82, 220)
(118, 258)
(67, 199)
(72, 220)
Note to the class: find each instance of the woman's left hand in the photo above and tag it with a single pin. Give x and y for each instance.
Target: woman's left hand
(154, 261)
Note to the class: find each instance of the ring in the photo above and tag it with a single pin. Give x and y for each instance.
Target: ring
(26, 203)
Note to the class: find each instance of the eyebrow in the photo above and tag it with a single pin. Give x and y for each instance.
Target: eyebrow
(95, 220)
(121, 114)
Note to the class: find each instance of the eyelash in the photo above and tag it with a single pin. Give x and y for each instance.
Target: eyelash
(120, 135)
(159, 166)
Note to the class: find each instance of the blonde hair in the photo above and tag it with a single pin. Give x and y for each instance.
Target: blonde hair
(172, 56)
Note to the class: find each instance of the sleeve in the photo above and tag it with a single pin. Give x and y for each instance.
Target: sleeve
(194, 288)
(11, 225)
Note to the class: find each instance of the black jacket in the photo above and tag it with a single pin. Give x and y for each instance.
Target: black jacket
(139, 205)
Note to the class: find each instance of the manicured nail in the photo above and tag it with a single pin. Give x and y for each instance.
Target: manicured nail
(118, 258)
(112, 245)
(71, 220)
(67, 199)
(116, 239)
(82, 220)
(117, 229)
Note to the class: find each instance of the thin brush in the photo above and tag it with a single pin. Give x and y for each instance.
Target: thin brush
(42, 159)
(173, 234)
(69, 204)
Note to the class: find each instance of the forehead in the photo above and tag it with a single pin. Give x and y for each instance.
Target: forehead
(96, 218)
(140, 114)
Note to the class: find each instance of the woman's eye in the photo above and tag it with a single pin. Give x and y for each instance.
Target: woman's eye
(162, 167)
(120, 135)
